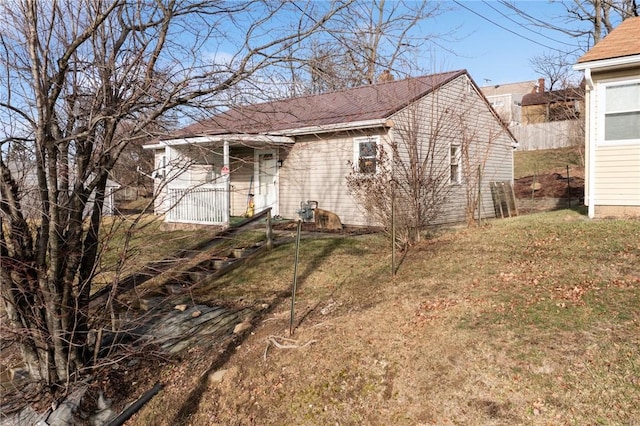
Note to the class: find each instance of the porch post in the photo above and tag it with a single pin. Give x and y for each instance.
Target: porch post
(227, 178)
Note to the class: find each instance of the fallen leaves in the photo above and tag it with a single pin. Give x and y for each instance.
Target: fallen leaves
(574, 295)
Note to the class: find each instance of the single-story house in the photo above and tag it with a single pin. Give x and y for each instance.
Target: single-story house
(552, 105)
(612, 142)
(289, 151)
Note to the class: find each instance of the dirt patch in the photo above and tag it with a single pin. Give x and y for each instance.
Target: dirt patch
(550, 185)
(550, 191)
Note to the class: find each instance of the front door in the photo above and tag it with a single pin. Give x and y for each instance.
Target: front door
(266, 174)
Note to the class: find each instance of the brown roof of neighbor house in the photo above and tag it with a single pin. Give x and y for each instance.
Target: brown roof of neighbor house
(563, 95)
(376, 101)
(624, 40)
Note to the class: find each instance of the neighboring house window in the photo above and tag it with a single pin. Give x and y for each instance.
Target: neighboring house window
(365, 153)
(622, 112)
(454, 164)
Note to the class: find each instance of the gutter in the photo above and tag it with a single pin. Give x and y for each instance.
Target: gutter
(248, 138)
(610, 63)
(591, 200)
(354, 125)
(283, 137)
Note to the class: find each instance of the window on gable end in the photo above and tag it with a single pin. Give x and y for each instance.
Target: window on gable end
(365, 151)
(455, 168)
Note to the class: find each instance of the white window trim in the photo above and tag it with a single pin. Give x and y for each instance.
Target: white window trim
(356, 150)
(458, 162)
(601, 114)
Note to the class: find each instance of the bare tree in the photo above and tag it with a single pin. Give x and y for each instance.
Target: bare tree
(600, 15)
(587, 20)
(365, 39)
(436, 150)
(81, 80)
(555, 68)
(477, 143)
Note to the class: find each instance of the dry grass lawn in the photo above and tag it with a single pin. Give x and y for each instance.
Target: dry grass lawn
(530, 320)
(529, 163)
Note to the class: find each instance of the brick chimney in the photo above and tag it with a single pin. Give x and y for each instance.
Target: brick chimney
(385, 76)
(540, 86)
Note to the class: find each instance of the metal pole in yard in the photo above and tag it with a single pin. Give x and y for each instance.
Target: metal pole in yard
(269, 231)
(393, 233)
(568, 185)
(295, 278)
(479, 194)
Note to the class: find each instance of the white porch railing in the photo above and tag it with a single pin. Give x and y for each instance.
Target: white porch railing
(206, 204)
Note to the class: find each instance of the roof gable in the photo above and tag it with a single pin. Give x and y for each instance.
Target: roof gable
(624, 40)
(376, 101)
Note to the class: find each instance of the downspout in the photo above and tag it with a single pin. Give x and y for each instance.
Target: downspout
(591, 149)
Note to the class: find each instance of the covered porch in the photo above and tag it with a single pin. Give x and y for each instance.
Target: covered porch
(207, 180)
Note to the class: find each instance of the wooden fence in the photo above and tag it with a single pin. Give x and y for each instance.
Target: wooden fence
(555, 134)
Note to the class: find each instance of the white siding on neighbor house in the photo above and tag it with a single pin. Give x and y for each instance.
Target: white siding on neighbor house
(617, 175)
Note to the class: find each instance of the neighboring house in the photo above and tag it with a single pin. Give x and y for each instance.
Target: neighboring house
(25, 175)
(539, 119)
(506, 99)
(554, 105)
(289, 151)
(612, 142)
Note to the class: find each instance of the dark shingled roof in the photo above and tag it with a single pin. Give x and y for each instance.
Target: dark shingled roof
(376, 101)
(624, 40)
(564, 95)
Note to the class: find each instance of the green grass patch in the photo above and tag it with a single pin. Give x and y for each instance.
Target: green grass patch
(529, 163)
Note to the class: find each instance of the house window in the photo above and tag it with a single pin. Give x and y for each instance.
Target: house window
(454, 164)
(622, 112)
(365, 153)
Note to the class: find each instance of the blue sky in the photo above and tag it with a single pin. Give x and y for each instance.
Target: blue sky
(495, 55)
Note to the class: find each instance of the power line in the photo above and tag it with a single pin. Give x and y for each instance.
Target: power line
(526, 28)
(505, 28)
(540, 23)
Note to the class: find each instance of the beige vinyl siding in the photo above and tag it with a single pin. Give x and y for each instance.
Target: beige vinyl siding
(466, 117)
(316, 169)
(617, 175)
(599, 75)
